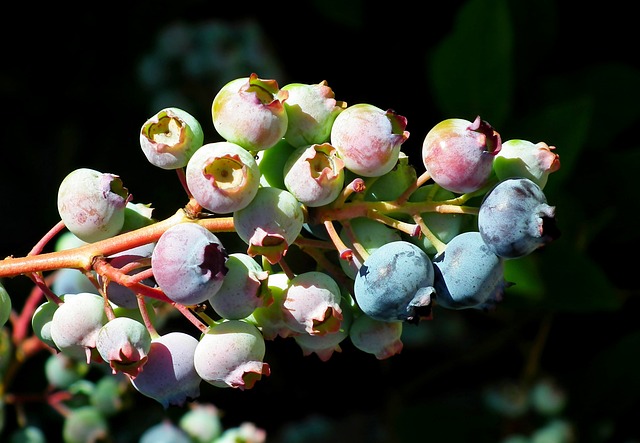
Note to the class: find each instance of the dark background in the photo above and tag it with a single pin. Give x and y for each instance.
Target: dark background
(73, 94)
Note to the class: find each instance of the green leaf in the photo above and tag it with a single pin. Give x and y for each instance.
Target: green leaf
(471, 70)
(574, 282)
(565, 125)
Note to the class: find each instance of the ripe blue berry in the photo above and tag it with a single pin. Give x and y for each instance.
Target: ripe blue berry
(468, 274)
(515, 219)
(395, 283)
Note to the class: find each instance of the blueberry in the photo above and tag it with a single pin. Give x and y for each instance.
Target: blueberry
(515, 219)
(395, 283)
(468, 274)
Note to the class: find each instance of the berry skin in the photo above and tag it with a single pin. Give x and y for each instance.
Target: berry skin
(380, 338)
(311, 109)
(76, 323)
(468, 274)
(243, 290)
(170, 137)
(459, 154)
(92, 204)
(270, 223)
(369, 139)
(395, 283)
(250, 112)
(314, 174)
(521, 158)
(124, 343)
(271, 164)
(230, 355)
(325, 345)
(188, 263)
(515, 219)
(222, 177)
(169, 375)
(312, 304)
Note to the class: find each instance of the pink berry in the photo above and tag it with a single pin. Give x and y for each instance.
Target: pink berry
(250, 112)
(170, 137)
(169, 375)
(312, 109)
(369, 139)
(222, 177)
(314, 174)
(458, 154)
(312, 304)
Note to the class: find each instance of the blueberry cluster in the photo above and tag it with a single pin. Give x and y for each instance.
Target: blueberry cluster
(297, 169)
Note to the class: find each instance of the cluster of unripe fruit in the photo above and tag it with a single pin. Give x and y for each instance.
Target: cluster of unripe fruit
(296, 169)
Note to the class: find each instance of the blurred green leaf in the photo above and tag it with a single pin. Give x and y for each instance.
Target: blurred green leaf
(574, 282)
(565, 125)
(615, 104)
(471, 70)
(349, 13)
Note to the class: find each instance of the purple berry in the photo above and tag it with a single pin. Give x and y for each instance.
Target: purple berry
(189, 263)
(92, 204)
(170, 137)
(459, 154)
(395, 283)
(468, 274)
(222, 177)
(515, 219)
(169, 375)
(368, 139)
